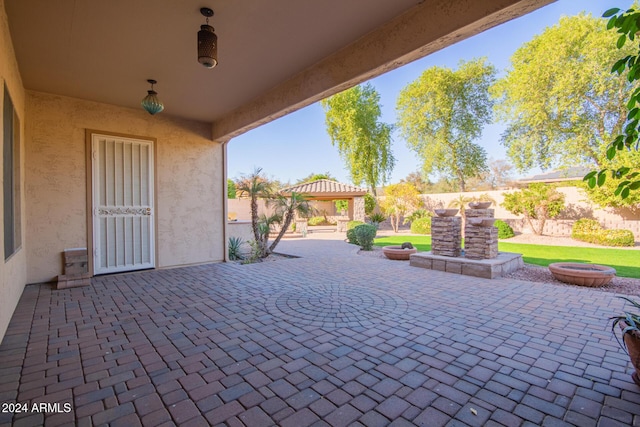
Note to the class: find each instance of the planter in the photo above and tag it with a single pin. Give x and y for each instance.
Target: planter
(397, 253)
(632, 342)
(575, 273)
(479, 205)
(446, 212)
(482, 222)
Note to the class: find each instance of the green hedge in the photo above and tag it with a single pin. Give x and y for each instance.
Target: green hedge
(421, 226)
(589, 230)
(504, 230)
(365, 233)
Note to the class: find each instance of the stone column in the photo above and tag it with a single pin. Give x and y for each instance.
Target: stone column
(480, 242)
(445, 236)
(358, 208)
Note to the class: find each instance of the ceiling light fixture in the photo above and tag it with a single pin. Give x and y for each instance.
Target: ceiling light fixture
(207, 42)
(151, 103)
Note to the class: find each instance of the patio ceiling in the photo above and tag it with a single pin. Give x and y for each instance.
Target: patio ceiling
(274, 56)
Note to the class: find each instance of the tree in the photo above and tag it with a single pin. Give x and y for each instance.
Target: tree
(341, 205)
(442, 112)
(460, 203)
(316, 177)
(254, 186)
(560, 104)
(400, 199)
(416, 179)
(370, 204)
(286, 208)
(537, 203)
(626, 176)
(608, 195)
(231, 189)
(364, 143)
(499, 174)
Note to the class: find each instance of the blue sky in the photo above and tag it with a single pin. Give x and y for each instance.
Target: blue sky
(296, 145)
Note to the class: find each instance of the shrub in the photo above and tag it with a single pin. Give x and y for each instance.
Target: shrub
(417, 214)
(319, 220)
(421, 226)
(617, 238)
(351, 236)
(353, 224)
(315, 220)
(369, 203)
(584, 225)
(365, 233)
(504, 230)
(376, 218)
(235, 248)
(589, 230)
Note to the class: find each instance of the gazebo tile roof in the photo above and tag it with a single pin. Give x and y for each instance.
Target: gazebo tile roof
(325, 186)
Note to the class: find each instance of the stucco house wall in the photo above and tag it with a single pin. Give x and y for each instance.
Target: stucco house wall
(189, 176)
(13, 270)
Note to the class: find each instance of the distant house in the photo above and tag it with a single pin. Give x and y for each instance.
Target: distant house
(574, 173)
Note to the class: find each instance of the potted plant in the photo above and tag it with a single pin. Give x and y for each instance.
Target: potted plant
(629, 324)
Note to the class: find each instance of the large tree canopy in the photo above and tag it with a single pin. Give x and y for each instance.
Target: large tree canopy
(442, 112)
(560, 101)
(352, 119)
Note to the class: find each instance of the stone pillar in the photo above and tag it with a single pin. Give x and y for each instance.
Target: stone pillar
(480, 242)
(445, 236)
(358, 208)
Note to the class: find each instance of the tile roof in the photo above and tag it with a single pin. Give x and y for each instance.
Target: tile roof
(325, 186)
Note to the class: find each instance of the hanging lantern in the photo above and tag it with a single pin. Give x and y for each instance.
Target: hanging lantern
(207, 42)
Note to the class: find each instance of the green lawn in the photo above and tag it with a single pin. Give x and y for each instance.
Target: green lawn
(626, 262)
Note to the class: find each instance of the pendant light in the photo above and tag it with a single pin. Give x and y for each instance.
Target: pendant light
(151, 103)
(207, 42)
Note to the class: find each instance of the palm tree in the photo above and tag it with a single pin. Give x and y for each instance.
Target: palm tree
(287, 208)
(264, 228)
(254, 186)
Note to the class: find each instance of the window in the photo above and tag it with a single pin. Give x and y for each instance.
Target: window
(11, 176)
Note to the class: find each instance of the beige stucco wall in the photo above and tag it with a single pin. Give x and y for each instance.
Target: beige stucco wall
(189, 176)
(577, 206)
(12, 271)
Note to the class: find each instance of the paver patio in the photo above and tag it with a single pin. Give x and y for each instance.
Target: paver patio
(331, 338)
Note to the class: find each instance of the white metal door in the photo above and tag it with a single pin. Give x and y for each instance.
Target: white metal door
(123, 209)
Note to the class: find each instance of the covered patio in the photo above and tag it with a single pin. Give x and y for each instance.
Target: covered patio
(330, 338)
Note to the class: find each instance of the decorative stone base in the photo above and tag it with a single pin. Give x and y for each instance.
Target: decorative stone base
(504, 263)
(74, 281)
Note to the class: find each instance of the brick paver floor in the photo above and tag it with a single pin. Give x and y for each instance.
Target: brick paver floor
(329, 339)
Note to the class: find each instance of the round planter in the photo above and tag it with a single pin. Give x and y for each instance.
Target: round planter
(479, 205)
(576, 273)
(446, 212)
(397, 253)
(632, 342)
